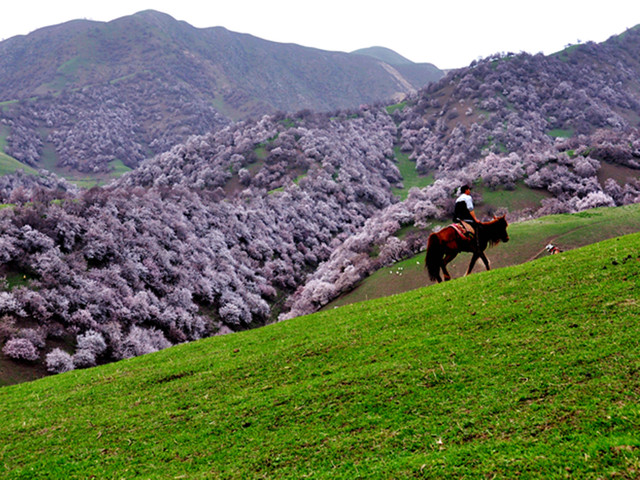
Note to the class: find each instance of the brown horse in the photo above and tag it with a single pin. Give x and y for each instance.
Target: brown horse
(443, 246)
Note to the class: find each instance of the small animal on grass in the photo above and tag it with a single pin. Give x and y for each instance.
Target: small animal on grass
(552, 249)
(444, 245)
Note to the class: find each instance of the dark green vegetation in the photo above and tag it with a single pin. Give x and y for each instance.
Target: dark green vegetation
(527, 242)
(523, 372)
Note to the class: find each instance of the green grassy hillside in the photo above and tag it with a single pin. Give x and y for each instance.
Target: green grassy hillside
(523, 372)
(528, 239)
(9, 164)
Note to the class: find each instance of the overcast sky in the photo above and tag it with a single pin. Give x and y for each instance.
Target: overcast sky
(449, 34)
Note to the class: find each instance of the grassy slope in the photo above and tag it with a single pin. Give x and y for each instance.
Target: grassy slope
(410, 177)
(9, 164)
(528, 240)
(49, 162)
(523, 372)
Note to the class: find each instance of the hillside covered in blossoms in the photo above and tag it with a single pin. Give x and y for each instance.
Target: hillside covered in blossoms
(272, 218)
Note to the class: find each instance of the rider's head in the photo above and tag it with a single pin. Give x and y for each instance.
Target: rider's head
(464, 189)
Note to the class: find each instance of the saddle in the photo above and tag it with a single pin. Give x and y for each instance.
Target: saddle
(464, 229)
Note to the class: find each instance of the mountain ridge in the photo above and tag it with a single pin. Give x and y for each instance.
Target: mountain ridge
(384, 54)
(147, 23)
(164, 80)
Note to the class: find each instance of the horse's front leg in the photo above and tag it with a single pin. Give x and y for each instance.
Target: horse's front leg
(485, 260)
(448, 257)
(472, 263)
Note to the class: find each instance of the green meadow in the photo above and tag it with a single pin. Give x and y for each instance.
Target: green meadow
(410, 176)
(529, 371)
(9, 164)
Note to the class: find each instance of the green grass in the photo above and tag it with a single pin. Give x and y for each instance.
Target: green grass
(15, 280)
(288, 122)
(70, 67)
(49, 161)
(398, 106)
(561, 133)
(410, 176)
(523, 372)
(9, 164)
(565, 55)
(522, 197)
(502, 148)
(119, 168)
(261, 152)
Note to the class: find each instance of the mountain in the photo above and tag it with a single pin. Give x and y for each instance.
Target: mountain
(243, 73)
(385, 55)
(84, 94)
(410, 71)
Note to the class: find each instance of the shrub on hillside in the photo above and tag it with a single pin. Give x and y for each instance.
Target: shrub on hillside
(92, 342)
(21, 349)
(83, 359)
(140, 341)
(59, 361)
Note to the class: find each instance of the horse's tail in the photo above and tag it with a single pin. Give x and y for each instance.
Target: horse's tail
(433, 258)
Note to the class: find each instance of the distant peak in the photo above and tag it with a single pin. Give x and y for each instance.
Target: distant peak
(153, 16)
(384, 54)
(151, 13)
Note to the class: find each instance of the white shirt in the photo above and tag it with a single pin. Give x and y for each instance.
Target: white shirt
(466, 199)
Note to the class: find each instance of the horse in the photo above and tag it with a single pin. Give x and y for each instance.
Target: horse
(443, 246)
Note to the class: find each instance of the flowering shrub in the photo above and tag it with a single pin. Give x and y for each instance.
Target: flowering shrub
(59, 361)
(21, 349)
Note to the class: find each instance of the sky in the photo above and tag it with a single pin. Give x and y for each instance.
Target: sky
(447, 33)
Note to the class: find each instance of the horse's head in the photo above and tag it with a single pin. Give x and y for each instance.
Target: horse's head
(501, 225)
(499, 229)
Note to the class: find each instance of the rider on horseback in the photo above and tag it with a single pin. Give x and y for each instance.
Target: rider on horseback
(464, 214)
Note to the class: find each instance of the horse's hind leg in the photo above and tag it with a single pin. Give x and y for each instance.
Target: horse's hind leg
(448, 257)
